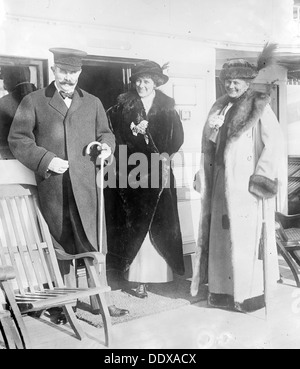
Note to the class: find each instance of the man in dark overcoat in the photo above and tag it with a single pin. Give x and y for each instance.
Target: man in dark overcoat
(50, 133)
(16, 81)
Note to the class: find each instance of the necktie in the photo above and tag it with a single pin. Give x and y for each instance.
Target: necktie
(64, 94)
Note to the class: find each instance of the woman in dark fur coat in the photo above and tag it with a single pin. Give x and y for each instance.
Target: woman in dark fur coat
(144, 236)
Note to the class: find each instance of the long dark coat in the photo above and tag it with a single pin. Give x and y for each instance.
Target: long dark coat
(8, 106)
(44, 128)
(133, 212)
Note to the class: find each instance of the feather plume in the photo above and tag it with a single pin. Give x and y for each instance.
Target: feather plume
(166, 66)
(266, 58)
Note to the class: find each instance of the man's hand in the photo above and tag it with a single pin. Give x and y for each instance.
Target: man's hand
(105, 151)
(58, 165)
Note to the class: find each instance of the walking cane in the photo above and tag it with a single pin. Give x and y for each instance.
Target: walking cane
(94, 302)
(101, 204)
(101, 211)
(265, 260)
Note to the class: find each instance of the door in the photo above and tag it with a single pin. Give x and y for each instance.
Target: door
(190, 95)
(106, 78)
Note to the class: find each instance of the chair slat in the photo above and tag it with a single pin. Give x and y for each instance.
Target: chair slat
(16, 312)
(10, 246)
(26, 236)
(47, 238)
(288, 240)
(63, 296)
(7, 328)
(38, 242)
(19, 244)
(29, 245)
(15, 249)
(15, 190)
(2, 250)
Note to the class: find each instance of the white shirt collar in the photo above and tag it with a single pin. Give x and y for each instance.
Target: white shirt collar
(148, 101)
(67, 100)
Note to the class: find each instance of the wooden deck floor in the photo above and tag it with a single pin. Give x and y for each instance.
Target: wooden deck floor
(189, 327)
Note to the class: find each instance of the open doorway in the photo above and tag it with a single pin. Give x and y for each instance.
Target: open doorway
(106, 78)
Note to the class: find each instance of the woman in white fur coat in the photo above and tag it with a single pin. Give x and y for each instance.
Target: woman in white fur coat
(242, 148)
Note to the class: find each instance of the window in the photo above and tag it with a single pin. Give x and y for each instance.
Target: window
(296, 16)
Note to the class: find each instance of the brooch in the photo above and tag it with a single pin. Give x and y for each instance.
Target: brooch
(215, 124)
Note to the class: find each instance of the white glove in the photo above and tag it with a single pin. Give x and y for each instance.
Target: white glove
(58, 165)
(105, 151)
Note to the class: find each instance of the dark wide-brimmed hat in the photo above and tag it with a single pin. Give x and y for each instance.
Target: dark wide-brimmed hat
(149, 68)
(242, 69)
(69, 59)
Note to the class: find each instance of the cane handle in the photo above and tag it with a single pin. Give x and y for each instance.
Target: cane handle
(90, 145)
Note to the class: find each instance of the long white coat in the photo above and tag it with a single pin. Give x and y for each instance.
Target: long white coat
(253, 155)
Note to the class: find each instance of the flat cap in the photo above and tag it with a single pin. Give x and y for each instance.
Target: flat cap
(70, 59)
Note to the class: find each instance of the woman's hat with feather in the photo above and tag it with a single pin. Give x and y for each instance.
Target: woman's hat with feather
(242, 69)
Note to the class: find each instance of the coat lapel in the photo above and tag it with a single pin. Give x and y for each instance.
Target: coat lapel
(246, 113)
(76, 102)
(56, 102)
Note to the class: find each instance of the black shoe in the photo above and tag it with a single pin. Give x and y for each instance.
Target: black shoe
(117, 312)
(141, 291)
(57, 316)
(36, 314)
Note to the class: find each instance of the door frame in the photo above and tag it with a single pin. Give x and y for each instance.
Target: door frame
(41, 66)
(125, 63)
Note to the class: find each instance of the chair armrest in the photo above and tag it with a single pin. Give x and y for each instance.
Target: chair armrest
(6, 273)
(295, 245)
(288, 221)
(97, 257)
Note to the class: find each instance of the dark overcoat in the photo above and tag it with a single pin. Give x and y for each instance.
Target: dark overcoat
(44, 128)
(133, 212)
(8, 106)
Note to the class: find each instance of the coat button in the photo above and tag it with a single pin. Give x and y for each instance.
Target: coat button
(249, 158)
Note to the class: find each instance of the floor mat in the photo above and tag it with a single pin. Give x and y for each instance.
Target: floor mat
(161, 297)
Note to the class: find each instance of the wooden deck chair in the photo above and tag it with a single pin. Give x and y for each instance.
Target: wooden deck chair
(26, 245)
(14, 336)
(288, 241)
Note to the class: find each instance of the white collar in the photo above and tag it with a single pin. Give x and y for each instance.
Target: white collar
(148, 101)
(67, 100)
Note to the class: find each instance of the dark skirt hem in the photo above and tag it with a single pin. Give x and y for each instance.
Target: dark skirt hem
(227, 302)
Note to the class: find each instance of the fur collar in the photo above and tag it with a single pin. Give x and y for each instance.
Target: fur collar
(244, 114)
(131, 101)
